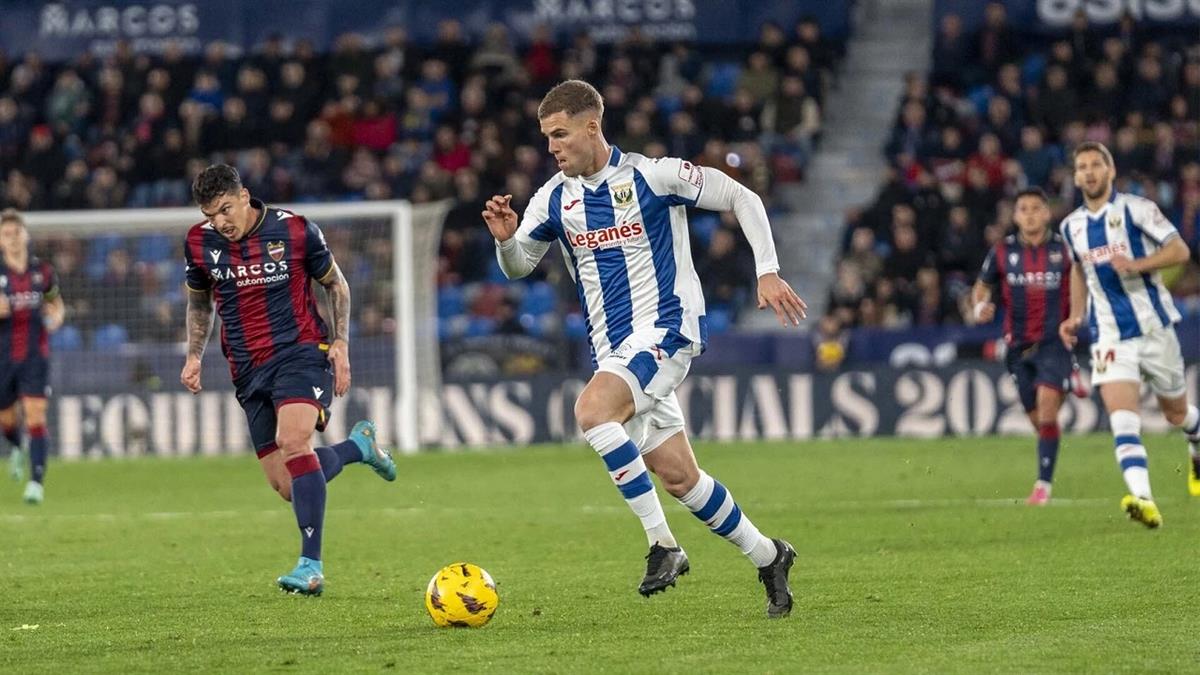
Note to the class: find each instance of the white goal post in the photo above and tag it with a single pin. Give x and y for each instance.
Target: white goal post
(90, 237)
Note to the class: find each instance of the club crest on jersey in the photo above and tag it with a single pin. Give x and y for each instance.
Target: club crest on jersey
(37, 278)
(1055, 257)
(622, 194)
(1114, 221)
(3, 281)
(1013, 258)
(276, 249)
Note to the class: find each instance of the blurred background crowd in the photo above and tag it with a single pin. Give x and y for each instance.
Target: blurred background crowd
(382, 119)
(999, 110)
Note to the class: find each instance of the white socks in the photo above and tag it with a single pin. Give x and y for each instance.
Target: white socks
(713, 505)
(628, 472)
(1131, 454)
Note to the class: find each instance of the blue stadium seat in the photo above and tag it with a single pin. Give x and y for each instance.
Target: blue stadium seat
(155, 248)
(478, 326)
(719, 320)
(574, 326)
(1033, 68)
(539, 299)
(722, 80)
(66, 339)
(450, 301)
(110, 336)
(495, 274)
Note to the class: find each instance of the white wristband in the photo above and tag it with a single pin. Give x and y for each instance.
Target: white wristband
(979, 309)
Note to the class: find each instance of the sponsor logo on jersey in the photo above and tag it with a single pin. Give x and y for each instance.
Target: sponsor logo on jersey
(1034, 279)
(254, 274)
(609, 237)
(1105, 253)
(276, 249)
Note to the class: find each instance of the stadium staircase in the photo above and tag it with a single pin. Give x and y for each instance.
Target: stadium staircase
(891, 38)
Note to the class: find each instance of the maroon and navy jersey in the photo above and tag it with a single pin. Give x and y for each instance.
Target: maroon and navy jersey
(22, 333)
(261, 284)
(1034, 287)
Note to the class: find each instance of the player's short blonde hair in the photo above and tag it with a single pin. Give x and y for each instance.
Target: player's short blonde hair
(572, 97)
(11, 216)
(1093, 146)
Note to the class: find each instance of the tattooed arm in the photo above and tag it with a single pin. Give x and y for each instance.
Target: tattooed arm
(199, 325)
(339, 315)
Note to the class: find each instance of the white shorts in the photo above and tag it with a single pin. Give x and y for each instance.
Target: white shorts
(653, 363)
(1154, 357)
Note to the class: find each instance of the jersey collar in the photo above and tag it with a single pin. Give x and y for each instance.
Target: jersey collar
(594, 180)
(1112, 197)
(262, 216)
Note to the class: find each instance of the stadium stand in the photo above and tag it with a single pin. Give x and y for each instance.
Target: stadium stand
(1000, 109)
(384, 119)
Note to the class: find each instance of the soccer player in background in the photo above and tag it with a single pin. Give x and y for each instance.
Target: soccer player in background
(620, 219)
(253, 265)
(1030, 269)
(1119, 243)
(30, 310)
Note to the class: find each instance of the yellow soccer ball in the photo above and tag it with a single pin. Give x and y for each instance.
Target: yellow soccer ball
(461, 595)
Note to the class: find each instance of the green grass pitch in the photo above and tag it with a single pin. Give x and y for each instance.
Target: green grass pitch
(915, 556)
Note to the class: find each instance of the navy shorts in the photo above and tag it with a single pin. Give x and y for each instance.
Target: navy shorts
(30, 377)
(303, 375)
(1047, 364)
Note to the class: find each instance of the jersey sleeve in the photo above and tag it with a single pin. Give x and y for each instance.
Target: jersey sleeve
(989, 273)
(195, 276)
(50, 291)
(540, 225)
(1154, 224)
(677, 180)
(318, 259)
(1064, 229)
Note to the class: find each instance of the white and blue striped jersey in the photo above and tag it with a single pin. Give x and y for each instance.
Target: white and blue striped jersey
(1121, 307)
(624, 236)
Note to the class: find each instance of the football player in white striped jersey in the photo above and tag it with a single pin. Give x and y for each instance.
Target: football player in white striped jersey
(1119, 243)
(621, 222)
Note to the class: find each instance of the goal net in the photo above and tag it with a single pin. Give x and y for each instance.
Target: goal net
(115, 363)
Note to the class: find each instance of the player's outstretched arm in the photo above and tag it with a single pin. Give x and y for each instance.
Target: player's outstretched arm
(1173, 252)
(981, 300)
(1069, 328)
(517, 253)
(719, 192)
(338, 290)
(199, 325)
(54, 312)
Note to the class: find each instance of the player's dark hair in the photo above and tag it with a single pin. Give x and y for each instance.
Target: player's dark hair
(214, 181)
(571, 97)
(1032, 191)
(11, 216)
(1093, 146)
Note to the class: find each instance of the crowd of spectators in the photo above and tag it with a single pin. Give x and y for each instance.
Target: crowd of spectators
(1000, 110)
(379, 118)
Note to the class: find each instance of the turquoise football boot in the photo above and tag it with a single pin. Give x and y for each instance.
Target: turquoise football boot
(364, 436)
(306, 579)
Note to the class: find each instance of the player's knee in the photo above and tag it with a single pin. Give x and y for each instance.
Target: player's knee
(590, 411)
(678, 480)
(1175, 417)
(35, 417)
(293, 445)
